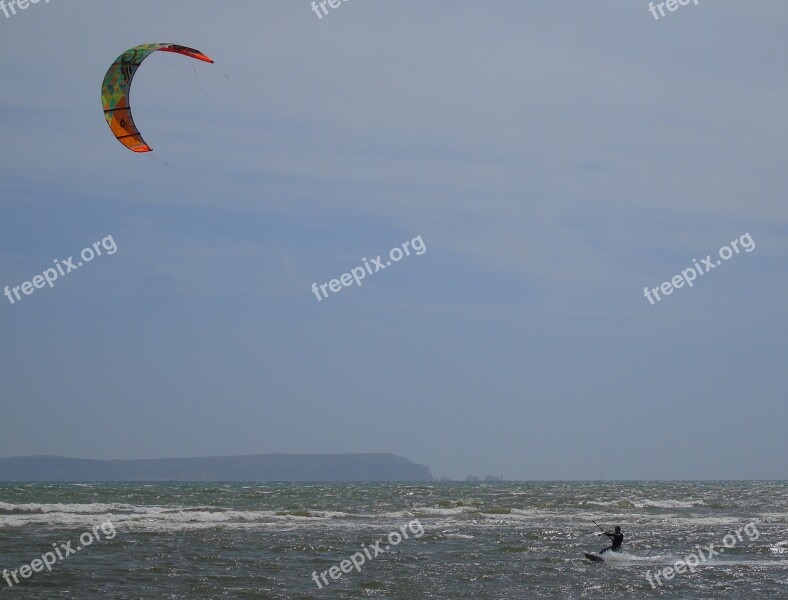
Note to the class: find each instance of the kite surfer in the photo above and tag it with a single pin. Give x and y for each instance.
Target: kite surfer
(617, 538)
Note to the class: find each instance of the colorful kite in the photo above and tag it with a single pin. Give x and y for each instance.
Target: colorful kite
(117, 85)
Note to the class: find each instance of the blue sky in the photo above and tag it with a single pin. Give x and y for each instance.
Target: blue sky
(555, 157)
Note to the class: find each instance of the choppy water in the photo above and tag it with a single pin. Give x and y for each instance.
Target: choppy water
(502, 540)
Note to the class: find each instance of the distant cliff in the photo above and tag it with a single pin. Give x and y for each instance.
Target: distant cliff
(256, 467)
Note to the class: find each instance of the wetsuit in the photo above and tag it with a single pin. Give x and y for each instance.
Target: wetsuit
(617, 539)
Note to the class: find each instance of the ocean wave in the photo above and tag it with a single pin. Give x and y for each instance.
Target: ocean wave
(645, 503)
(779, 548)
(431, 511)
(174, 517)
(95, 508)
(458, 536)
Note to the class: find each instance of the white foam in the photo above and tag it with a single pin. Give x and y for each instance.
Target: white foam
(622, 557)
(779, 548)
(68, 508)
(458, 536)
(646, 503)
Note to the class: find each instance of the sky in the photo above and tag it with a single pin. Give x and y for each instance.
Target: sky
(555, 158)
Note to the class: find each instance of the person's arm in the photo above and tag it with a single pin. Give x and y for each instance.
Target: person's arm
(608, 534)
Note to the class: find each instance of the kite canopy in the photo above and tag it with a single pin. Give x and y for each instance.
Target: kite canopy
(117, 85)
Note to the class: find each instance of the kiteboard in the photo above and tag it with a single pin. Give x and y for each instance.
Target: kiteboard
(594, 557)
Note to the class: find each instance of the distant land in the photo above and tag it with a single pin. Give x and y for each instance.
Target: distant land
(256, 467)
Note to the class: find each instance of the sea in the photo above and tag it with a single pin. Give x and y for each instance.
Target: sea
(392, 540)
